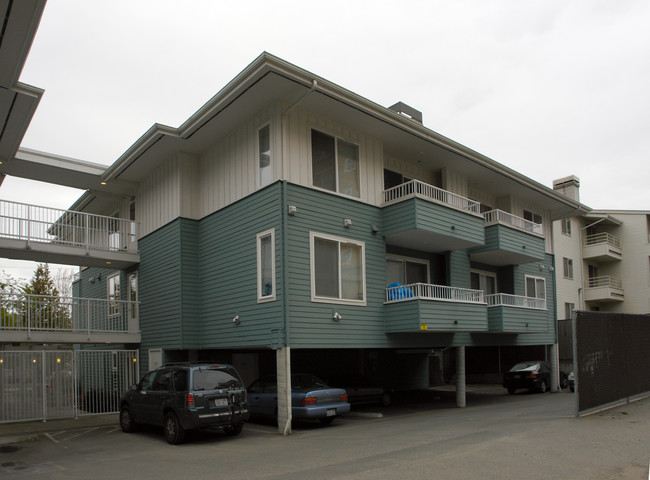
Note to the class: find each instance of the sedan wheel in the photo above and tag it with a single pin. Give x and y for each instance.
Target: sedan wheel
(174, 431)
(126, 420)
(543, 387)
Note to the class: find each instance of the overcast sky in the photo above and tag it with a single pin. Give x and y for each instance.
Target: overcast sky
(548, 88)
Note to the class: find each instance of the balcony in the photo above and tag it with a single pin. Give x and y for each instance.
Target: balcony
(516, 314)
(44, 319)
(429, 219)
(606, 289)
(602, 247)
(421, 307)
(509, 240)
(31, 232)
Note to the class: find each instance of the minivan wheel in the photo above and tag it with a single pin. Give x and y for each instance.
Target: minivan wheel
(543, 387)
(512, 390)
(126, 420)
(234, 429)
(174, 431)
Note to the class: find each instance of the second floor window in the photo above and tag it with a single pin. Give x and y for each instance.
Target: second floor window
(535, 287)
(566, 226)
(568, 310)
(266, 266)
(337, 269)
(335, 164)
(568, 268)
(114, 295)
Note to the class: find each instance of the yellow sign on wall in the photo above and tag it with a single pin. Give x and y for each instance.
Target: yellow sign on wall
(423, 326)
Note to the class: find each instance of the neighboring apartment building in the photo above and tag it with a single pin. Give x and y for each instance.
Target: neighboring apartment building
(603, 258)
(290, 224)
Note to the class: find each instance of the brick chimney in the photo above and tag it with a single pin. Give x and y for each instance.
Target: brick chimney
(568, 186)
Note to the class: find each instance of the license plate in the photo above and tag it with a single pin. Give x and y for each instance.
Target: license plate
(219, 402)
(331, 412)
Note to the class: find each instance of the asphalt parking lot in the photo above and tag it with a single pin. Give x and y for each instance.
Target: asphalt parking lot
(421, 436)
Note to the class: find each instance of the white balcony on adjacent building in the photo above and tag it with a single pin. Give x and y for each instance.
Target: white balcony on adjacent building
(36, 233)
(605, 289)
(46, 319)
(602, 247)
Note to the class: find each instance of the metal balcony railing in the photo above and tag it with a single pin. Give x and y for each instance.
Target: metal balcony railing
(33, 223)
(507, 300)
(601, 238)
(494, 217)
(606, 281)
(425, 291)
(41, 313)
(416, 188)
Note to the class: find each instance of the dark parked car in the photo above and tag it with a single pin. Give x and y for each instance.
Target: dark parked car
(533, 375)
(571, 380)
(182, 397)
(311, 398)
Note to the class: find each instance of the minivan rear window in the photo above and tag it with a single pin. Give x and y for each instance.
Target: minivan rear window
(213, 378)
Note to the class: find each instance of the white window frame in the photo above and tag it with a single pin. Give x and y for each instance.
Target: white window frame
(568, 310)
(336, 162)
(133, 307)
(412, 260)
(261, 298)
(486, 273)
(258, 153)
(526, 277)
(567, 268)
(532, 218)
(114, 303)
(339, 300)
(566, 226)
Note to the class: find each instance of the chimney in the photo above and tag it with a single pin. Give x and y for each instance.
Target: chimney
(568, 186)
(408, 112)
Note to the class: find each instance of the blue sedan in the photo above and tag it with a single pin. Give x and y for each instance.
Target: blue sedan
(311, 398)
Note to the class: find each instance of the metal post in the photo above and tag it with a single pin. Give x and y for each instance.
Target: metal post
(283, 359)
(460, 377)
(44, 386)
(555, 368)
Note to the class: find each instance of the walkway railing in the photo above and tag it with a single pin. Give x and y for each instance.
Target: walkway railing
(600, 238)
(40, 313)
(416, 188)
(494, 217)
(33, 223)
(425, 291)
(606, 281)
(507, 300)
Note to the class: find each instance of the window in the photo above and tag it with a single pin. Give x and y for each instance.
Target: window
(264, 154)
(535, 287)
(114, 294)
(133, 295)
(406, 270)
(566, 226)
(532, 217)
(568, 310)
(335, 164)
(266, 266)
(337, 269)
(568, 268)
(486, 281)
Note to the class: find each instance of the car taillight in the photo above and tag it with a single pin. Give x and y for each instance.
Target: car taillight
(532, 375)
(189, 400)
(344, 397)
(308, 401)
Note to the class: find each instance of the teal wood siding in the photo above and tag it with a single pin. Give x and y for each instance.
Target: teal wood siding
(505, 319)
(505, 245)
(311, 324)
(93, 283)
(435, 316)
(228, 273)
(459, 269)
(417, 214)
(159, 284)
(190, 284)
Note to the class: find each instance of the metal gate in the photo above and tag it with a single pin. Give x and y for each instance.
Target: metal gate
(49, 384)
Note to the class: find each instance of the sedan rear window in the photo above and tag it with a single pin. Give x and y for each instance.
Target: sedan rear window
(213, 378)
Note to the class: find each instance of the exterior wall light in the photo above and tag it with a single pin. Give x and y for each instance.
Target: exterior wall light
(337, 317)
(347, 223)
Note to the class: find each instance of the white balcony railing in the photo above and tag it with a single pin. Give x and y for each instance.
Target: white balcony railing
(33, 223)
(606, 281)
(494, 217)
(425, 291)
(507, 300)
(40, 313)
(416, 188)
(601, 238)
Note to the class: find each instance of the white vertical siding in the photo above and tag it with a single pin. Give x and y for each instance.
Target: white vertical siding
(569, 246)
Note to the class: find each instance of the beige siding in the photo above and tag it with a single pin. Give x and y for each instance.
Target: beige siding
(568, 290)
(634, 268)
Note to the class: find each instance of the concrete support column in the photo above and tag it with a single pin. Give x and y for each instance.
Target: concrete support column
(460, 377)
(283, 363)
(555, 367)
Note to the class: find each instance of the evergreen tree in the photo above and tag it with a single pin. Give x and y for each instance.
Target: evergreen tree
(43, 304)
